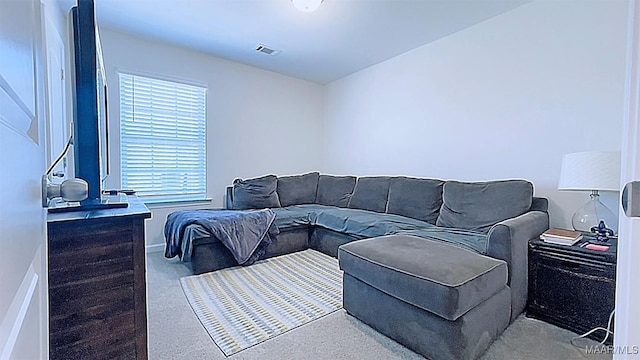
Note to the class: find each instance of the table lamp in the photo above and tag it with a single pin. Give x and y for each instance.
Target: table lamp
(591, 171)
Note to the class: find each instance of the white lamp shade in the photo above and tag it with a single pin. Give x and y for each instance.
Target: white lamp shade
(591, 170)
(307, 5)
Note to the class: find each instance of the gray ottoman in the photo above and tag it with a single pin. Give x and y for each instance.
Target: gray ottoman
(437, 299)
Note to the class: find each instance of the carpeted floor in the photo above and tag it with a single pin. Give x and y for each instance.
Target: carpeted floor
(176, 333)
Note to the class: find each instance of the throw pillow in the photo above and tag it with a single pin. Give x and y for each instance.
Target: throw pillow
(370, 194)
(335, 190)
(298, 189)
(256, 193)
(415, 198)
(479, 205)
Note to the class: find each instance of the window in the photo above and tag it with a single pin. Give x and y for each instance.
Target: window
(162, 138)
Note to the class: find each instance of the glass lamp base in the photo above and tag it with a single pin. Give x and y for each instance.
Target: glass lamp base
(592, 213)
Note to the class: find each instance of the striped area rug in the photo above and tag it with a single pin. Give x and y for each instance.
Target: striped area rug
(244, 306)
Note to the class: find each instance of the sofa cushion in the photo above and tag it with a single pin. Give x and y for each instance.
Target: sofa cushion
(370, 194)
(416, 198)
(480, 205)
(363, 223)
(294, 215)
(335, 190)
(432, 275)
(256, 193)
(298, 189)
(468, 239)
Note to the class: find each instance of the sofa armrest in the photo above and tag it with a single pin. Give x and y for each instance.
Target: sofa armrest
(228, 198)
(508, 240)
(539, 204)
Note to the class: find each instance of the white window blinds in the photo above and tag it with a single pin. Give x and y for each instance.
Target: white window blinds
(162, 138)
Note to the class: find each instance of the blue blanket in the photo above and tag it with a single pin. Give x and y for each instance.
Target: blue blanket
(246, 234)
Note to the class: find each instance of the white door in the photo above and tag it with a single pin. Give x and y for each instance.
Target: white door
(23, 277)
(627, 317)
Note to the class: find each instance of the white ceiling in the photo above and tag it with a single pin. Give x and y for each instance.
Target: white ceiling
(340, 38)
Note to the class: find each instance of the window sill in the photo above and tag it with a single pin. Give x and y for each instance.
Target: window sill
(174, 203)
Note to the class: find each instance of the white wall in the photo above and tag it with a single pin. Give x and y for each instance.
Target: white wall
(503, 99)
(259, 122)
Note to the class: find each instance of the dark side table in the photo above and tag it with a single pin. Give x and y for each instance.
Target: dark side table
(572, 287)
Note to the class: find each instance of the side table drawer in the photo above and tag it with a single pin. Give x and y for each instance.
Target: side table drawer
(570, 291)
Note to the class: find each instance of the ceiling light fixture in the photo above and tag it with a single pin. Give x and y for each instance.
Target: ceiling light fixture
(307, 5)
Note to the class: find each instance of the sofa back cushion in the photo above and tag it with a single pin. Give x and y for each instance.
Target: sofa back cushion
(415, 198)
(480, 205)
(298, 189)
(256, 193)
(370, 194)
(335, 190)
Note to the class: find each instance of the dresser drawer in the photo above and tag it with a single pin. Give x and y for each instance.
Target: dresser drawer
(71, 341)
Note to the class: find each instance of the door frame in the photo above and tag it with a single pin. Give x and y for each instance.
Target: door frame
(627, 317)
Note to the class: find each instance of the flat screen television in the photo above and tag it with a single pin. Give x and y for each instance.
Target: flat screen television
(90, 115)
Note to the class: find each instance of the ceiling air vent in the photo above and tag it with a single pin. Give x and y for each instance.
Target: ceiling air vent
(267, 50)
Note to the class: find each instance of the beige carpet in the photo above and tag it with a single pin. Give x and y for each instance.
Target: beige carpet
(176, 333)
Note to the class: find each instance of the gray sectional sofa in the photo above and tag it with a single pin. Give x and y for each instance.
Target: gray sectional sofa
(479, 232)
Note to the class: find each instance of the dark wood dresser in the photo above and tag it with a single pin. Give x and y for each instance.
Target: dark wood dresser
(97, 283)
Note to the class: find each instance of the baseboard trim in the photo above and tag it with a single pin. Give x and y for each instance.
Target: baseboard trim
(12, 323)
(154, 248)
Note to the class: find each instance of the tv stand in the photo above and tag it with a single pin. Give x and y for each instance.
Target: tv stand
(105, 202)
(97, 287)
